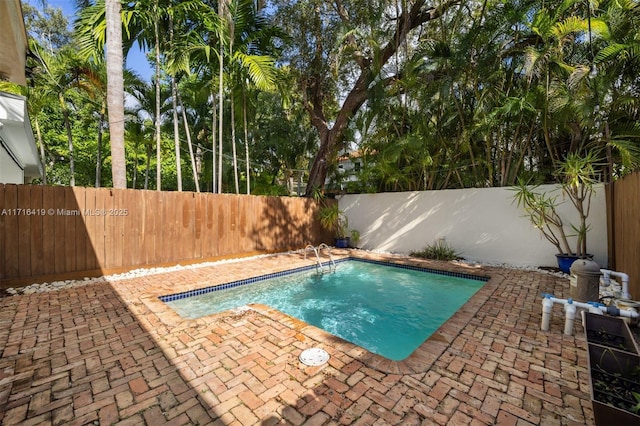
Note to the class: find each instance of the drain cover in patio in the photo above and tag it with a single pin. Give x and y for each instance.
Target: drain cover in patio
(314, 356)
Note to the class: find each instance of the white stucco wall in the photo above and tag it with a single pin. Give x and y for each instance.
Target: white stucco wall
(10, 172)
(483, 225)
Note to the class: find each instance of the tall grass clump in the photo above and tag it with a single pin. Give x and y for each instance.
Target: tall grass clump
(439, 250)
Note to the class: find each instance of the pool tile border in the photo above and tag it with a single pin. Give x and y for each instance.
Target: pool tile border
(259, 278)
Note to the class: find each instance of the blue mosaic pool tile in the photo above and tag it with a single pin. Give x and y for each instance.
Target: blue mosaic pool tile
(218, 287)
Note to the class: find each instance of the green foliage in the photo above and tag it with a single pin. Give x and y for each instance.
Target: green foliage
(577, 175)
(334, 220)
(483, 95)
(16, 89)
(439, 250)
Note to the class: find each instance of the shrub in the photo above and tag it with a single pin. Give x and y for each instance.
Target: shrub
(440, 250)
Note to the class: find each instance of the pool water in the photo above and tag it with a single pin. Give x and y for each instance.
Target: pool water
(386, 309)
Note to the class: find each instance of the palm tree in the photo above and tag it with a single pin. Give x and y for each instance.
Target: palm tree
(115, 92)
(58, 81)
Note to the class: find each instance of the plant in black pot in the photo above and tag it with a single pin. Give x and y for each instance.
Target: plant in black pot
(334, 220)
(577, 177)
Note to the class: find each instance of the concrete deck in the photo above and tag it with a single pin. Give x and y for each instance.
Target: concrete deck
(112, 353)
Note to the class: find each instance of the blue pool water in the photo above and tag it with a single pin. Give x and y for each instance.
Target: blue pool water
(385, 309)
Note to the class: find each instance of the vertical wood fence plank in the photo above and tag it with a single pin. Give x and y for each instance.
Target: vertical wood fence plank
(36, 235)
(24, 229)
(3, 216)
(211, 240)
(120, 233)
(59, 249)
(271, 216)
(165, 230)
(89, 218)
(177, 239)
(235, 224)
(224, 226)
(627, 229)
(11, 260)
(199, 225)
(149, 230)
(186, 226)
(66, 215)
(102, 255)
(133, 218)
(80, 229)
(103, 237)
(48, 231)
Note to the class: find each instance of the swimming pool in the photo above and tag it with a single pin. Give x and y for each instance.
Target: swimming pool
(387, 309)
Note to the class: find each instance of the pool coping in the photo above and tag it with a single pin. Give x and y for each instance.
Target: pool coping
(418, 362)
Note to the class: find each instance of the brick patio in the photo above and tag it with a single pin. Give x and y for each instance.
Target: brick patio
(112, 353)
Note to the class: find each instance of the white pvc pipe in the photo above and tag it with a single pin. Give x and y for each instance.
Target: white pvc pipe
(607, 274)
(570, 306)
(569, 318)
(547, 310)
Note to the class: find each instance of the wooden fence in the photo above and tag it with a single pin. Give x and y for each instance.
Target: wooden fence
(62, 232)
(623, 202)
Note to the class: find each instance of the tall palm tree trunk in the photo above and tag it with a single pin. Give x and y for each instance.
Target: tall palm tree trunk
(222, 7)
(157, 115)
(147, 165)
(41, 146)
(246, 139)
(233, 146)
(67, 126)
(188, 133)
(176, 132)
(115, 92)
(99, 148)
(214, 123)
(174, 101)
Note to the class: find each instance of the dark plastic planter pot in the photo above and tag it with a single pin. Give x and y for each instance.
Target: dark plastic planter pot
(341, 242)
(566, 260)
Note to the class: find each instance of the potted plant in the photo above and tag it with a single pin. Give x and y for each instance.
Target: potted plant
(334, 220)
(577, 176)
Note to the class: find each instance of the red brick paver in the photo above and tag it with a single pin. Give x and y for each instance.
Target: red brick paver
(112, 353)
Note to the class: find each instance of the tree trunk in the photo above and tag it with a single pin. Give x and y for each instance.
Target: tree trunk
(246, 139)
(41, 145)
(188, 132)
(233, 146)
(158, 106)
(174, 102)
(147, 165)
(214, 125)
(115, 93)
(67, 126)
(331, 137)
(222, 13)
(99, 150)
(176, 132)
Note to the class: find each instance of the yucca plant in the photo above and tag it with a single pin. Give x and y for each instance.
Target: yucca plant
(577, 175)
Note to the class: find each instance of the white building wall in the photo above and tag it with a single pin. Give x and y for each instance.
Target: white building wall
(10, 172)
(483, 225)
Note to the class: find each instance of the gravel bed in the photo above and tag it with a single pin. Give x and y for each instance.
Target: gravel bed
(57, 285)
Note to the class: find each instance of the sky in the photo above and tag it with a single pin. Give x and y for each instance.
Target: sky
(136, 59)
